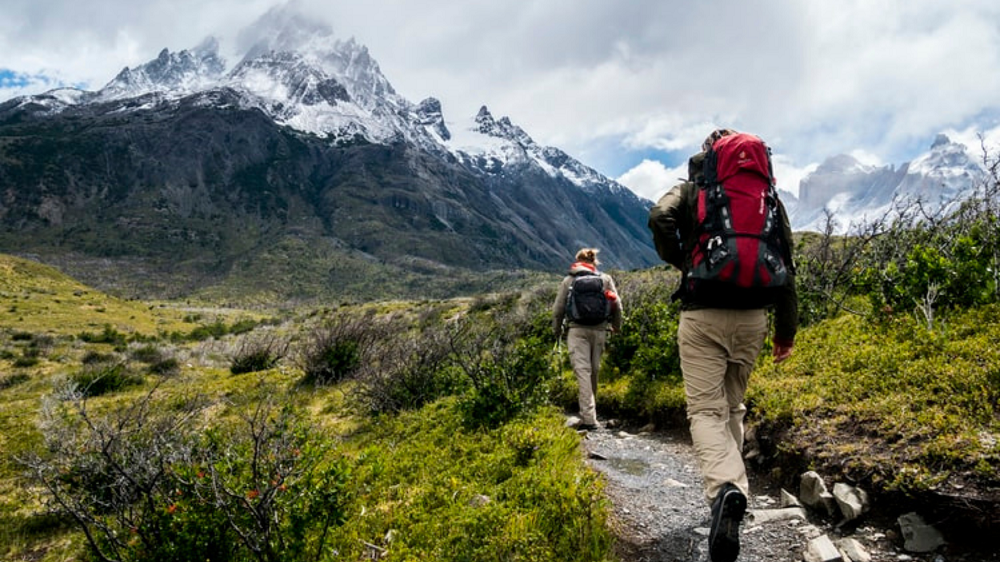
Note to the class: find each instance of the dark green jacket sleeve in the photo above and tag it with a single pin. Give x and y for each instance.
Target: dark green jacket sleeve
(668, 222)
(786, 309)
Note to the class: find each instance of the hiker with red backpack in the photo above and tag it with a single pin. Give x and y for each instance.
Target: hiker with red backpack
(727, 232)
(589, 305)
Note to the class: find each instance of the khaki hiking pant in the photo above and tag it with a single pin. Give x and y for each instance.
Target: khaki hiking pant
(718, 349)
(585, 347)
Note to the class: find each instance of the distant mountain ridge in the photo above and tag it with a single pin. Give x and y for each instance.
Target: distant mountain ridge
(856, 193)
(301, 156)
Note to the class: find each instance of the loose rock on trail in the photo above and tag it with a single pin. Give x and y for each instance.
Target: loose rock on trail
(659, 513)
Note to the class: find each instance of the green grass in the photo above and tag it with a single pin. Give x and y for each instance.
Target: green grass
(891, 403)
(446, 492)
(36, 298)
(423, 484)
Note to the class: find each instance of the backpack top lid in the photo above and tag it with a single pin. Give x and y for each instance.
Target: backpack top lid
(741, 152)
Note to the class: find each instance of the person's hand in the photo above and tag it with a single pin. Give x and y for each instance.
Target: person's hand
(782, 352)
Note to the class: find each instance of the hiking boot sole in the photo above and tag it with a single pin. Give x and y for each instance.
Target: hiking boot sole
(724, 538)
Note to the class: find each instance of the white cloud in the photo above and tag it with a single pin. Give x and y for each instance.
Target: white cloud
(787, 175)
(651, 179)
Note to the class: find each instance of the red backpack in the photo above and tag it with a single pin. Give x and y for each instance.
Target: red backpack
(740, 256)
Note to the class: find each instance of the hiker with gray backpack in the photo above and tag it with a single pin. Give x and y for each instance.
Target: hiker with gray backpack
(588, 304)
(727, 232)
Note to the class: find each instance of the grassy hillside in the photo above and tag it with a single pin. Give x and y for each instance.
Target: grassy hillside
(138, 400)
(38, 298)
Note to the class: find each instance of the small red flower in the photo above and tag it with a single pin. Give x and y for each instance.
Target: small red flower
(252, 494)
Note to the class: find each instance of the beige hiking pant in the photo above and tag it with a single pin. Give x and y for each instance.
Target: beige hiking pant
(585, 347)
(718, 349)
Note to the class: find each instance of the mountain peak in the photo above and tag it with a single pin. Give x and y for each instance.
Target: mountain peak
(183, 72)
(430, 116)
(940, 140)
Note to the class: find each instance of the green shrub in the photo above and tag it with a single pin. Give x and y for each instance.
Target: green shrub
(337, 350)
(215, 330)
(148, 353)
(151, 484)
(258, 353)
(26, 361)
(95, 357)
(647, 342)
(13, 379)
(412, 369)
(22, 336)
(509, 375)
(104, 378)
(166, 367)
(109, 336)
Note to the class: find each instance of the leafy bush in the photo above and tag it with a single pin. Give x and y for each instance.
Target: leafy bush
(14, 379)
(109, 335)
(508, 370)
(103, 378)
(913, 259)
(144, 483)
(647, 342)
(337, 350)
(166, 367)
(158, 360)
(94, 357)
(147, 353)
(411, 370)
(258, 353)
(25, 361)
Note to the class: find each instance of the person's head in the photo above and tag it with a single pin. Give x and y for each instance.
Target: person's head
(588, 255)
(714, 136)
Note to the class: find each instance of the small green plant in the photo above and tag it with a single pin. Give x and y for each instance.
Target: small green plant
(166, 367)
(148, 353)
(26, 361)
(96, 357)
(507, 369)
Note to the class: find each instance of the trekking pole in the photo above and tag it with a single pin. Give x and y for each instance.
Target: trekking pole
(556, 362)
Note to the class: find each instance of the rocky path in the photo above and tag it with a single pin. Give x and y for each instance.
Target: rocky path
(659, 514)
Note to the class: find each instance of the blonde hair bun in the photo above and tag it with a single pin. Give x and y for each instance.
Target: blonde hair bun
(588, 255)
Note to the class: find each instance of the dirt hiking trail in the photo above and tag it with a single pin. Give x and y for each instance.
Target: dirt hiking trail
(659, 514)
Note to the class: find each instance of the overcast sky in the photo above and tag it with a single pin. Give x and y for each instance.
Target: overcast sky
(629, 87)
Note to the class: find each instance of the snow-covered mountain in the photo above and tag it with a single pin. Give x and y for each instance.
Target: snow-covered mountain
(304, 143)
(303, 77)
(856, 193)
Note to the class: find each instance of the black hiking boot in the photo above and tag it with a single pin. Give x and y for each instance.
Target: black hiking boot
(727, 513)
